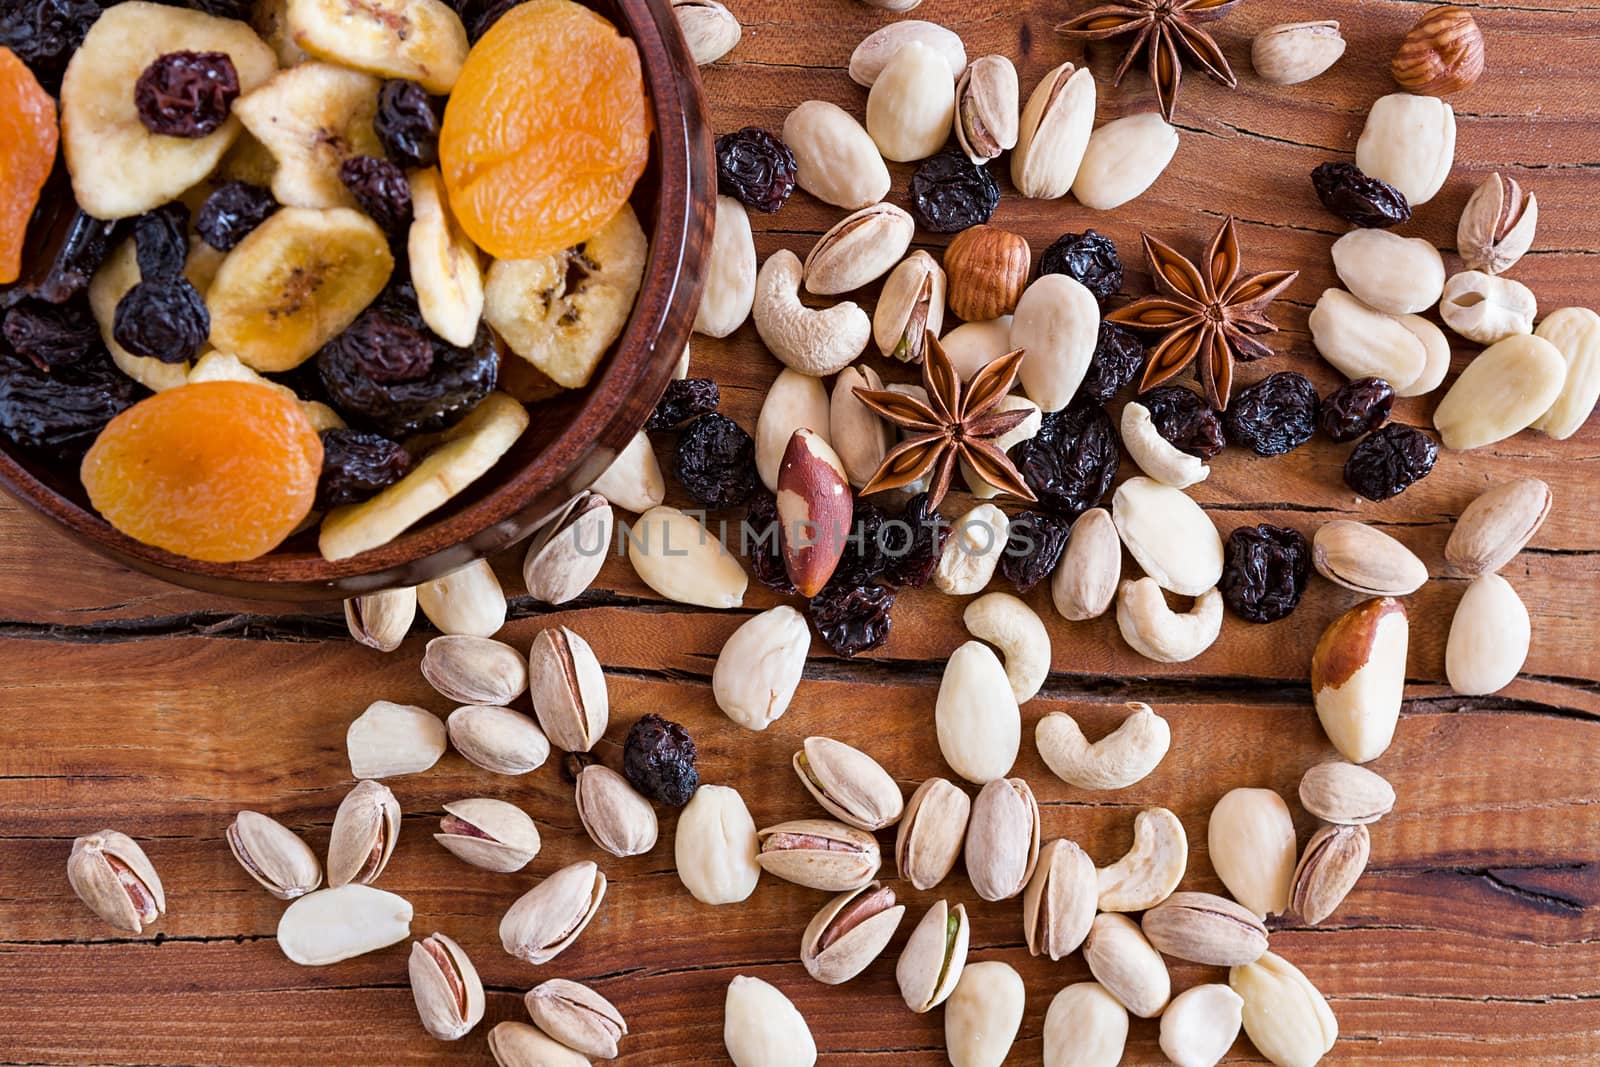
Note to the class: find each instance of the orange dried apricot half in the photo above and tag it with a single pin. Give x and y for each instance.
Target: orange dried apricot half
(547, 130)
(28, 139)
(219, 471)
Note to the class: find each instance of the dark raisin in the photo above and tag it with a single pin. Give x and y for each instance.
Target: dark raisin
(381, 189)
(1118, 359)
(1185, 420)
(408, 124)
(479, 15)
(950, 193)
(1264, 571)
(161, 242)
(356, 465)
(852, 619)
(52, 335)
(1089, 258)
(162, 320)
(715, 462)
(760, 540)
(755, 168)
(1073, 459)
(1358, 198)
(64, 410)
(1389, 460)
(187, 94)
(659, 759)
(1033, 548)
(1356, 408)
(45, 33)
(1278, 414)
(913, 541)
(64, 247)
(864, 558)
(382, 342)
(232, 212)
(684, 399)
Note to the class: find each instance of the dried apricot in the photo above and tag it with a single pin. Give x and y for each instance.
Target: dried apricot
(28, 138)
(220, 471)
(546, 131)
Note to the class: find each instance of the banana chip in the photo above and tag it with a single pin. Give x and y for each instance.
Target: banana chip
(312, 118)
(444, 263)
(422, 40)
(561, 312)
(452, 461)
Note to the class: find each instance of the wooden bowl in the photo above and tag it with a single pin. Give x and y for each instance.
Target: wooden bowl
(571, 439)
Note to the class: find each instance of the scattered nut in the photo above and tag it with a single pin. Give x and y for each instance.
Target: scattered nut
(1576, 334)
(1200, 1025)
(1409, 142)
(1151, 869)
(794, 401)
(934, 957)
(613, 813)
(1053, 134)
(633, 481)
(1284, 1015)
(566, 554)
(468, 601)
(931, 832)
(389, 740)
(568, 688)
(1367, 560)
(1169, 535)
(499, 740)
(1333, 860)
(1127, 965)
(1294, 52)
(1502, 391)
(1441, 54)
(760, 666)
(1086, 579)
(112, 875)
(677, 557)
(1011, 626)
(986, 112)
(1058, 905)
(976, 715)
(547, 919)
(860, 248)
(1002, 839)
(1123, 159)
(836, 159)
(911, 104)
(1365, 343)
(577, 1016)
(1387, 272)
(1489, 637)
(1057, 322)
(1154, 454)
(983, 1014)
(1496, 526)
(446, 987)
(1252, 844)
(1345, 793)
(862, 436)
(849, 933)
(818, 854)
(1487, 308)
(514, 1044)
(365, 830)
(987, 270)
(815, 510)
(1358, 675)
(473, 670)
(382, 620)
(1156, 632)
(1206, 928)
(762, 1028)
(815, 341)
(730, 270)
(851, 785)
(1435, 355)
(273, 855)
(978, 540)
(910, 307)
(1497, 225)
(1119, 759)
(337, 924)
(710, 30)
(876, 49)
(715, 846)
(1085, 1026)
(489, 833)
(972, 345)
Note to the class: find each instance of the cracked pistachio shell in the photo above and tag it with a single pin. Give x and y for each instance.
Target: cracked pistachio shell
(1285, 1016)
(1003, 839)
(446, 987)
(498, 739)
(1205, 928)
(762, 1028)
(1085, 1026)
(860, 248)
(468, 601)
(341, 923)
(1333, 861)
(928, 841)
(850, 784)
(849, 932)
(1344, 793)
(273, 855)
(365, 829)
(112, 875)
(515, 1044)
(715, 846)
(568, 689)
(1496, 526)
(474, 670)
(577, 1016)
(819, 854)
(1052, 135)
(1497, 225)
(616, 817)
(1252, 843)
(1122, 960)
(1294, 52)
(489, 833)
(983, 1014)
(566, 555)
(1367, 560)
(936, 952)
(1059, 904)
(388, 740)
(987, 106)
(549, 917)
(381, 620)
(910, 306)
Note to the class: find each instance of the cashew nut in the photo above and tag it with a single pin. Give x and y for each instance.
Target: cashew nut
(1119, 759)
(1155, 455)
(1157, 632)
(1013, 627)
(1153, 867)
(815, 341)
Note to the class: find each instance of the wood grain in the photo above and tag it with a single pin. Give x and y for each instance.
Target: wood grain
(1474, 937)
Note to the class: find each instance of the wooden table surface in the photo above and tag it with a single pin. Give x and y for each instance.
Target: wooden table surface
(1474, 935)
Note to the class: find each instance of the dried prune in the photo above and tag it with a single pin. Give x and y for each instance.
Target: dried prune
(950, 193)
(1264, 571)
(232, 212)
(1356, 408)
(1033, 548)
(455, 380)
(65, 409)
(1089, 258)
(1073, 459)
(715, 462)
(479, 15)
(1390, 460)
(684, 399)
(755, 168)
(187, 94)
(1358, 198)
(852, 619)
(162, 320)
(45, 33)
(64, 248)
(1185, 420)
(658, 758)
(864, 558)
(161, 242)
(356, 465)
(1278, 414)
(1118, 359)
(407, 124)
(913, 541)
(382, 190)
(52, 335)
(760, 539)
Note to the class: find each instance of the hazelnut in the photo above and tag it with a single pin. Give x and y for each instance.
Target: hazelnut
(986, 271)
(1441, 54)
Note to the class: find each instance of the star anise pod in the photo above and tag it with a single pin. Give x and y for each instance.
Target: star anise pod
(958, 422)
(1211, 316)
(1167, 30)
